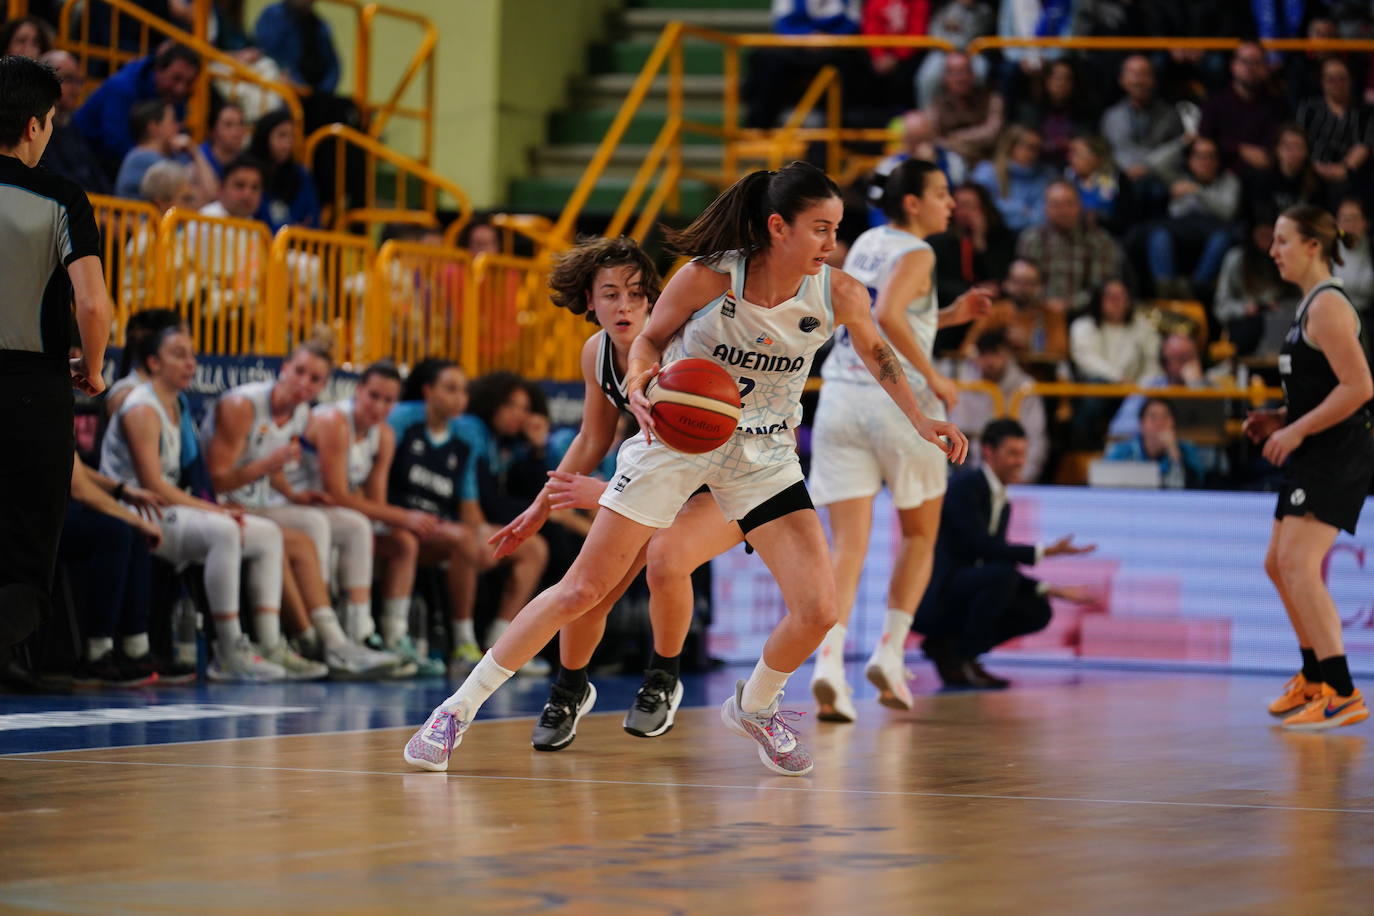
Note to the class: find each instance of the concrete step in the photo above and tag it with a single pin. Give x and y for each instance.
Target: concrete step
(549, 195)
(590, 126)
(648, 24)
(608, 90)
(569, 160)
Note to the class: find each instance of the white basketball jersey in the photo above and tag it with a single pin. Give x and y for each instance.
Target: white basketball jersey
(362, 453)
(871, 261)
(117, 461)
(767, 350)
(264, 438)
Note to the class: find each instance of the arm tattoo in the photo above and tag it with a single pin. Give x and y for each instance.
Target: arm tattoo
(887, 362)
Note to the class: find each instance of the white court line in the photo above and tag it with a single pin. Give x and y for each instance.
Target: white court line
(697, 785)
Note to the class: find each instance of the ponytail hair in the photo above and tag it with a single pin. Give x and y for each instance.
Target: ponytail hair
(908, 178)
(1316, 225)
(737, 220)
(320, 343)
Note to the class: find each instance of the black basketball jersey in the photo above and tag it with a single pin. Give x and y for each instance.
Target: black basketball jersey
(612, 385)
(1305, 371)
(426, 476)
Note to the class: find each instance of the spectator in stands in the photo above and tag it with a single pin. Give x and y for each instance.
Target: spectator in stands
(292, 34)
(106, 537)
(978, 247)
(1203, 204)
(69, 153)
(240, 193)
(1290, 179)
(160, 139)
(917, 142)
(968, 115)
(1338, 128)
(1180, 464)
(1094, 175)
(1146, 136)
(778, 76)
(1073, 257)
(480, 237)
(27, 36)
(1031, 19)
(995, 362)
(1244, 118)
(289, 197)
(104, 119)
(893, 70)
(1113, 342)
(227, 136)
(1356, 273)
(1016, 177)
(957, 22)
(1181, 367)
(1302, 70)
(1252, 302)
(1059, 108)
(1033, 328)
(165, 185)
(977, 598)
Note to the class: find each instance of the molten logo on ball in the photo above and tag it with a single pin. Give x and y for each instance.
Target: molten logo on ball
(696, 405)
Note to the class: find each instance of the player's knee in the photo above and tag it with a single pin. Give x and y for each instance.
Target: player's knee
(1271, 566)
(665, 563)
(579, 594)
(1295, 567)
(405, 546)
(817, 611)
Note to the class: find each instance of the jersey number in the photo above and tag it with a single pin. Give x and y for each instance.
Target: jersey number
(746, 385)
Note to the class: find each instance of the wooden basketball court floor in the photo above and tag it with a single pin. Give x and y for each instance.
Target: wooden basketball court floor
(1073, 792)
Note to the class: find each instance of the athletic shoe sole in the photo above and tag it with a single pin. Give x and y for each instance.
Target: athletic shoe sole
(827, 698)
(1348, 718)
(176, 680)
(91, 683)
(583, 708)
(887, 691)
(674, 701)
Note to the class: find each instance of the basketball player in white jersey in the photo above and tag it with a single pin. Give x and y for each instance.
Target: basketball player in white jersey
(142, 447)
(346, 454)
(861, 442)
(251, 434)
(759, 300)
(615, 284)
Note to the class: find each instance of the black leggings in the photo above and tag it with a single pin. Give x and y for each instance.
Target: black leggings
(114, 565)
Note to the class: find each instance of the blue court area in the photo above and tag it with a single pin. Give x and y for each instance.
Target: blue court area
(88, 719)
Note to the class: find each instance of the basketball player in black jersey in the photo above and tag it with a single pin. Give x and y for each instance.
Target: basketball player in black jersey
(1321, 438)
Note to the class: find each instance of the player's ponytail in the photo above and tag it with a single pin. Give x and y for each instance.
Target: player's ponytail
(320, 343)
(1316, 225)
(737, 220)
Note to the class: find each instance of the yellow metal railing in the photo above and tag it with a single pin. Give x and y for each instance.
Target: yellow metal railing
(128, 254)
(421, 304)
(408, 174)
(318, 278)
(213, 270)
(741, 147)
(1256, 395)
(519, 325)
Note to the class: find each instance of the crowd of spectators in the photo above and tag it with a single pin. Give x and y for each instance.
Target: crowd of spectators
(1118, 204)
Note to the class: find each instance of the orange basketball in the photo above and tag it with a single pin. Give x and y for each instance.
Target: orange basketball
(696, 405)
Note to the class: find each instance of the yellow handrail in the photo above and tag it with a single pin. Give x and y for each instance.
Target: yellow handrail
(431, 182)
(1257, 394)
(318, 278)
(422, 303)
(128, 254)
(198, 106)
(423, 58)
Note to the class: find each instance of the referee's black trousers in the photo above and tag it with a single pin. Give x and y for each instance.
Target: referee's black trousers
(36, 446)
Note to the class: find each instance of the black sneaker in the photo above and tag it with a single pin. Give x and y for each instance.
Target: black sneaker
(111, 671)
(557, 725)
(655, 705)
(169, 672)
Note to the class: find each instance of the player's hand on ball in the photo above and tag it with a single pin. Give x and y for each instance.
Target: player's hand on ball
(946, 435)
(574, 491)
(1281, 444)
(639, 401)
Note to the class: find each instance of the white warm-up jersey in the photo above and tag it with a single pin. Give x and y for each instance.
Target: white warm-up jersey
(767, 350)
(264, 438)
(117, 461)
(362, 454)
(871, 261)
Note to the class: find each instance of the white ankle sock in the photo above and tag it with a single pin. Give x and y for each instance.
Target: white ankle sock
(135, 646)
(484, 680)
(227, 629)
(358, 620)
(896, 624)
(326, 625)
(831, 653)
(97, 646)
(268, 626)
(498, 626)
(463, 632)
(763, 687)
(395, 619)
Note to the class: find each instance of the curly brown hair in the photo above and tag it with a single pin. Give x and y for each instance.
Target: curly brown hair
(570, 282)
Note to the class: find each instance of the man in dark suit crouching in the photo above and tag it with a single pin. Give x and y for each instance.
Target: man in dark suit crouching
(977, 598)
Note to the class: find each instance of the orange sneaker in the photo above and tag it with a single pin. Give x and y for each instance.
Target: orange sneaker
(1328, 710)
(1297, 693)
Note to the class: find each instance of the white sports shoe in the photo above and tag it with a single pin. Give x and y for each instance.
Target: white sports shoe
(778, 748)
(352, 661)
(833, 695)
(431, 746)
(887, 671)
(296, 667)
(241, 663)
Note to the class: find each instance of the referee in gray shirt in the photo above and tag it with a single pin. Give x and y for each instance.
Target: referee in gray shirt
(49, 261)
